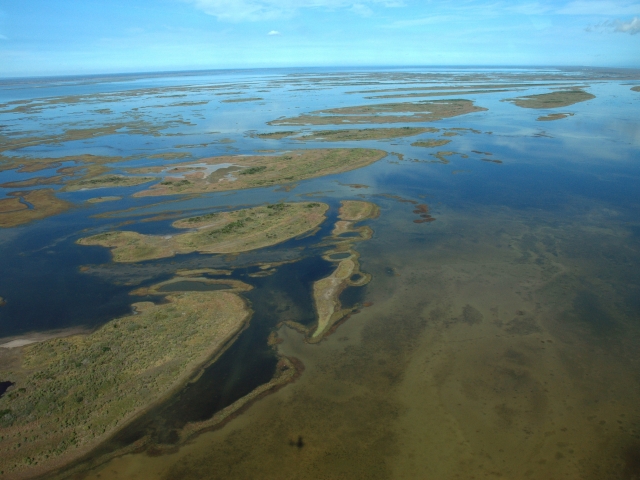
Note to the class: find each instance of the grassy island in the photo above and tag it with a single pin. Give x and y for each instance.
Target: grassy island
(30, 205)
(326, 291)
(431, 143)
(72, 393)
(425, 111)
(636, 89)
(106, 181)
(351, 134)
(253, 171)
(224, 232)
(562, 98)
(553, 116)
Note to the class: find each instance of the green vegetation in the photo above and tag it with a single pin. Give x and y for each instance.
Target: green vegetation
(353, 134)
(265, 170)
(426, 111)
(430, 143)
(224, 232)
(43, 204)
(71, 393)
(106, 181)
(562, 98)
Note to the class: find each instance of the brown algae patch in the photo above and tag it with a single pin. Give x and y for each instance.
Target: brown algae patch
(562, 98)
(71, 393)
(554, 116)
(224, 232)
(430, 143)
(39, 204)
(104, 199)
(107, 181)
(353, 134)
(253, 171)
(427, 111)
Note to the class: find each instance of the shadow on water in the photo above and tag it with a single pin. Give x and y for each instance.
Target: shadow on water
(4, 386)
(247, 364)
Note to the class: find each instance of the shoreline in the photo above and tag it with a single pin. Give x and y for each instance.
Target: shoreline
(60, 465)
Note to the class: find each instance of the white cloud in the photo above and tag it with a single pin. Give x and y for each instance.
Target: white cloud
(255, 10)
(274, 33)
(631, 27)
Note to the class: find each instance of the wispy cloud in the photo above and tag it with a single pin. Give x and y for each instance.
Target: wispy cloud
(274, 33)
(255, 10)
(631, 27)
(2, 37)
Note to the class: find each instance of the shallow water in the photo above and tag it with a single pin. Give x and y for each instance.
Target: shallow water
(499, 340)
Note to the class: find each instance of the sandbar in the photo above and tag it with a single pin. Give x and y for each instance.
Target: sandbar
(72, 393)
(224, 232)
(562, 98)
(253, 171)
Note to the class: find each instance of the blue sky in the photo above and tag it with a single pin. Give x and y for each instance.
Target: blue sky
(52, 37)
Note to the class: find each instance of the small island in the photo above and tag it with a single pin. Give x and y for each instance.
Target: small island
(253, 171)
(72, 393)
(223, 232)
(326, 291)
(431, 143)
(346, 135)
(106, 181)
(562, 98)
(425, 111)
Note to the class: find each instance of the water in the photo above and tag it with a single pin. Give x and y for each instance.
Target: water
(499, 339)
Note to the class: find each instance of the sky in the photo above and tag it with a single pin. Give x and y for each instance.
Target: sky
(66, 37)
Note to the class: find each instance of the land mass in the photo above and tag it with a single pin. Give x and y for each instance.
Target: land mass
(352, 134)
(224, 232)
(562, 98)
(425, 111)
(238, 172)
(72, 393)
(106, 181)
(430, 143)
(326, 291)
(554, 116)
(30, 205)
